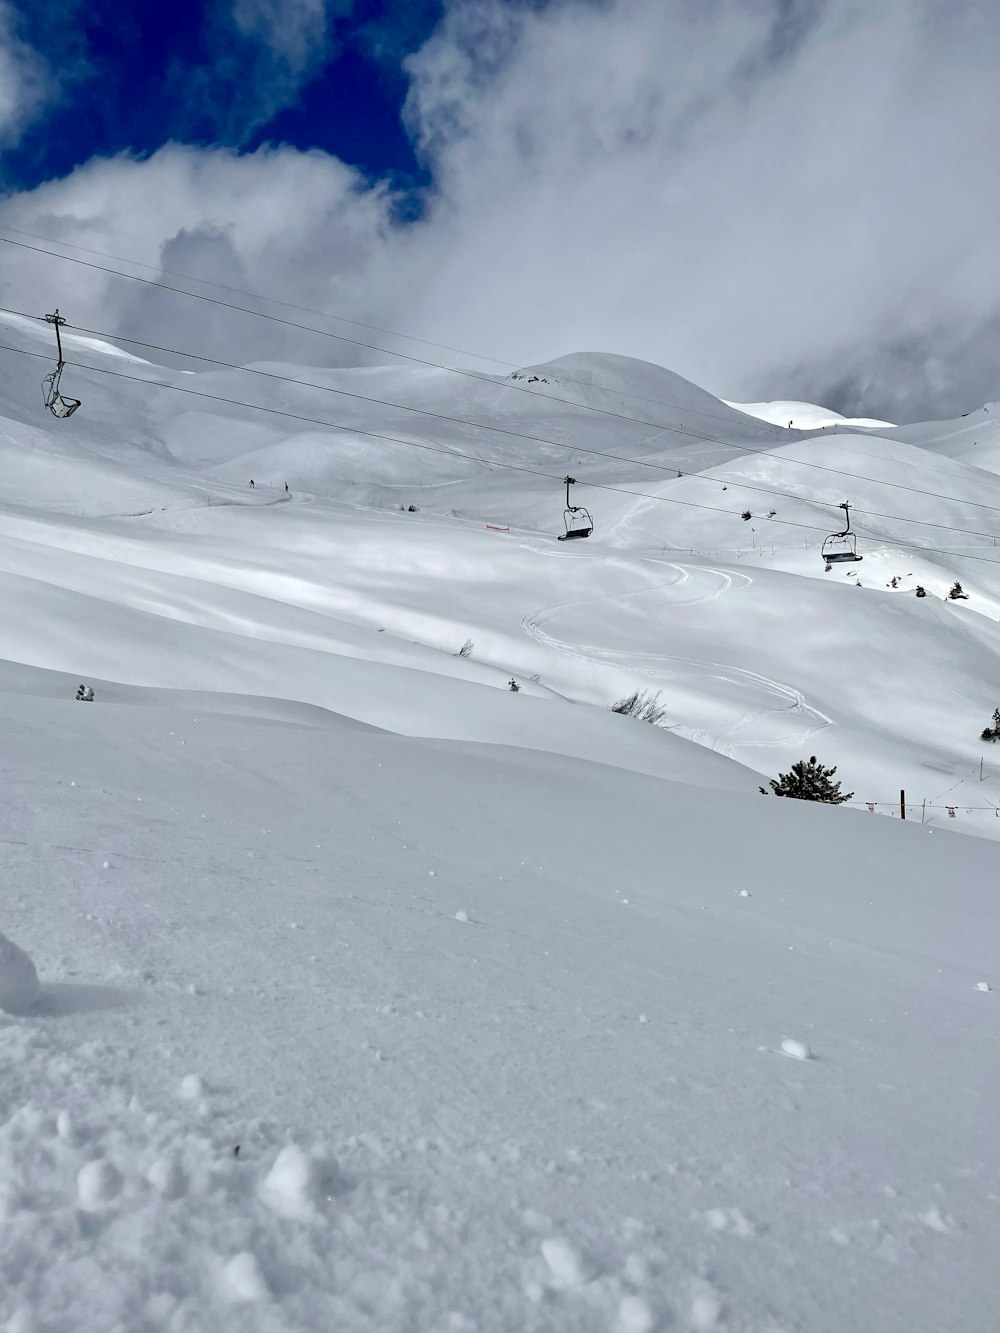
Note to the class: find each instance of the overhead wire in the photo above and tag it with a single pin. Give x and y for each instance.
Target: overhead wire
(521, 435)
(763, 425)
(257, 296)
(371, 347)
(507, 383)
(457, 453)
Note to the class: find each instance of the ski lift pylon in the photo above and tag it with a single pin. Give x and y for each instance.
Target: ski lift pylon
(840, 547)
(577, 519)
(58, 403)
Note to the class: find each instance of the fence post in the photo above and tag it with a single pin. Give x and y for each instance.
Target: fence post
(902, 803)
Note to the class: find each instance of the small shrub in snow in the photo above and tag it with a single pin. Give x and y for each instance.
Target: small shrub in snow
(466, 648)
(513, 686)
(921, 592)
(646, 707)
(746, 515)
(808, 780)
(956, 594)
(85, 694)
(992, 733)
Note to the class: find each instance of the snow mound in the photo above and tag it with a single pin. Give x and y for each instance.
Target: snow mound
(803, 416)
(795, 1050)
(19, 987)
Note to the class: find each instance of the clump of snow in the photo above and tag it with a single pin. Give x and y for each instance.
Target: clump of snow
(462, 915)
(18, 979)
(191, 1088)
(795, 1050)
(982, 985)
(634, 1316)
(705, 1307)
(97, 1184)
(934, 1219)
(244, 1280)
(291, 1186)
(565, 1262)
(166, 1177)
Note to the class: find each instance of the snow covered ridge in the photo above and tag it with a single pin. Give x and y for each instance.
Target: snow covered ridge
(355, 589)
(803, 416)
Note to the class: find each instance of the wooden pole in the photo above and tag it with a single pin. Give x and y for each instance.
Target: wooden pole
(902, 803)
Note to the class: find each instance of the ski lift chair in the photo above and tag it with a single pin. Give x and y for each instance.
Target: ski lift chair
(841, 547)
(577, 519)
(58, 403)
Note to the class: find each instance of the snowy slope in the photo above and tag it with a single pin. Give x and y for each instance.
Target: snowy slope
(973, 438)
(490, 988)
(499, 1040)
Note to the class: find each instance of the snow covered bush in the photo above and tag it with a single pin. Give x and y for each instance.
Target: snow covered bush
(85, 694)
(921, 592)
(746, 515)
(466, 648)
(992, 733)
(809, 781)
(513, 686)
(956, 594)
(646, 707)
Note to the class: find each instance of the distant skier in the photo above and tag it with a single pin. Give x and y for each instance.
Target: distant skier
(286, 487)
(251, 483)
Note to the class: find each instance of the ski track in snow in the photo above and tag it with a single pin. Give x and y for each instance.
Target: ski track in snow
(664, 666)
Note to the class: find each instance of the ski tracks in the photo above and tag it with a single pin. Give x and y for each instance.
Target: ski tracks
(800, 718)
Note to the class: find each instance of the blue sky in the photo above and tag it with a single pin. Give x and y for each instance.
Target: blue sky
(135, 76)
(773, 198)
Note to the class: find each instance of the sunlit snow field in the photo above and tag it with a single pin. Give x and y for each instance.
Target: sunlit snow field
(501, 997)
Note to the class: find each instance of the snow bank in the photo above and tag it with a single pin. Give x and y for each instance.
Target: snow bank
(19, 987)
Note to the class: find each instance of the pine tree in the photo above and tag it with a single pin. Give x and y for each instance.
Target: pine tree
(810, 781)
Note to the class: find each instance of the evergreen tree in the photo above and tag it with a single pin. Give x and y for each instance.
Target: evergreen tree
(809, 781)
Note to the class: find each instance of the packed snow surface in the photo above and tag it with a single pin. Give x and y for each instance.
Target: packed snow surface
(376, 995)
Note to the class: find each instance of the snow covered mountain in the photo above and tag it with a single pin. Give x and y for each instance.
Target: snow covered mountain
(376, 995)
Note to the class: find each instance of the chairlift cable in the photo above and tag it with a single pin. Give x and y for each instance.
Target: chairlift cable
(505, 383)
(371, 347)
(537, 439)
(375, 328)
(456, 453)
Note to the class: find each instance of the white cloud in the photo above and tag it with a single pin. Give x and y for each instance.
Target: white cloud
(300, 226)
(294, 29)
(25, 82)
(660, 179)
(764, 196)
